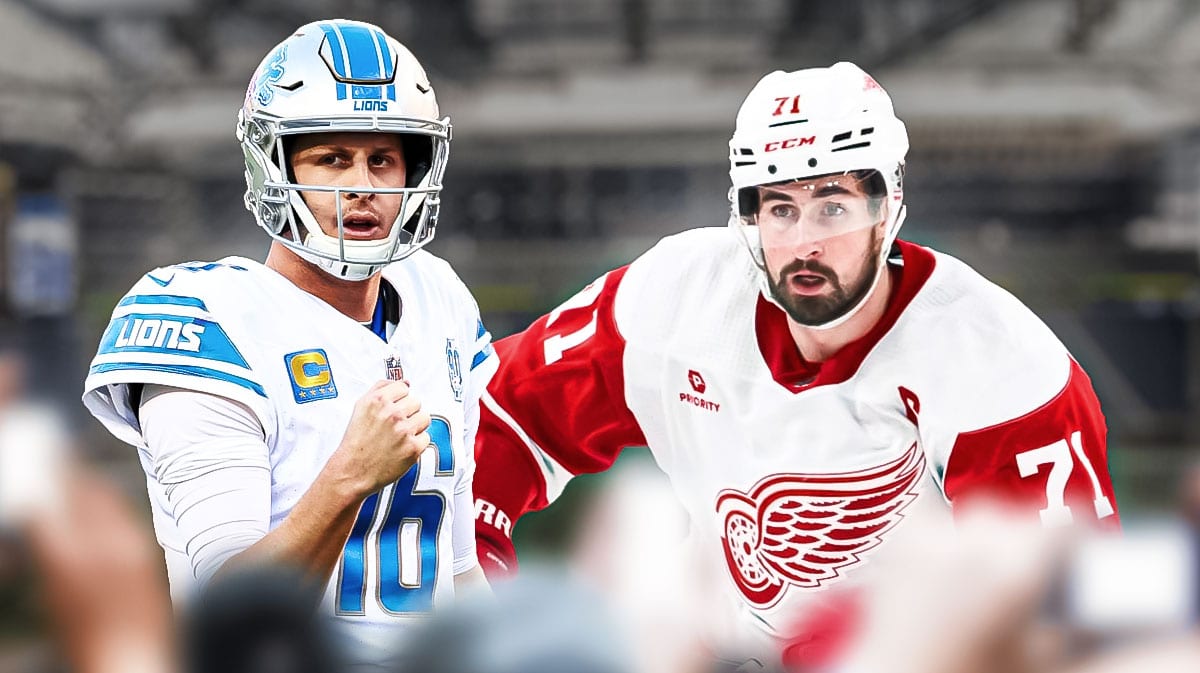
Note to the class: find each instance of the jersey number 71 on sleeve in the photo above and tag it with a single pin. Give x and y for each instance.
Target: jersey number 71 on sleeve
(405, 545)
(1061, 457)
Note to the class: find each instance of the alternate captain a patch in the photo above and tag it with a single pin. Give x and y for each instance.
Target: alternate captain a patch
(311, 376)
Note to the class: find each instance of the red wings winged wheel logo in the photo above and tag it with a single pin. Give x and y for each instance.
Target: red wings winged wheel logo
(803, 529)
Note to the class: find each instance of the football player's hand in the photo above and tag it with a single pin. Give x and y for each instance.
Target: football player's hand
(387, 434)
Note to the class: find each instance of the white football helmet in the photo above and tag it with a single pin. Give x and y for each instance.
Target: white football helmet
(339, 76)
(811, 123)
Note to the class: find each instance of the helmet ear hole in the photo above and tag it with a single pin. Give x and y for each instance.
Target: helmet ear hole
(289, 149)
(418, 157)
(748, 201)
(873, 184)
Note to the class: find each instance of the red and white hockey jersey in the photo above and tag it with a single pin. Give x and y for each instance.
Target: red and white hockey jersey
(793, 473)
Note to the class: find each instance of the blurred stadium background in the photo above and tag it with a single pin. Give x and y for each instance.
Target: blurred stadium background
(1055, 147)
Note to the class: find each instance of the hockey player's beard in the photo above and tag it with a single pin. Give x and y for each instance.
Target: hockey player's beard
(814, 311)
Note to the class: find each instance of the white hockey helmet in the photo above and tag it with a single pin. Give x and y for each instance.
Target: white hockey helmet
(342, 76)
(811, 123)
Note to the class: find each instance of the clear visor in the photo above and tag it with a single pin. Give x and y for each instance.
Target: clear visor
(796, 212)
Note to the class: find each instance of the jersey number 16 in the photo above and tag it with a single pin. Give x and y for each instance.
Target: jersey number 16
(405, 541)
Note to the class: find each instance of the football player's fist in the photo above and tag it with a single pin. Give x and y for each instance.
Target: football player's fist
(387, 434)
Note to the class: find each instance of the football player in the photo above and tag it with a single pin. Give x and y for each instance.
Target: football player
(806, 380)
(318, 409)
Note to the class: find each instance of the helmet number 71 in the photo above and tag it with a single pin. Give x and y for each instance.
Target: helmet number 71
(783, 102)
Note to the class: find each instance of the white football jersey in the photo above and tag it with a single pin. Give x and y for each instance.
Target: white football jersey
(794, 474)
(237, 329)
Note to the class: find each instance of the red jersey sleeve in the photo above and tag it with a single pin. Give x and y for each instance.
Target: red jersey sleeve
(555, 408)
(1052, 461)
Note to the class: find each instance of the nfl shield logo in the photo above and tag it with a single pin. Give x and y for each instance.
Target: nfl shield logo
(454, 369)
(394, 371)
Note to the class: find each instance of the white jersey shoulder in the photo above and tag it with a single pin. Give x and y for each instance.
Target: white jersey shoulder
(199, 326)
(428, 275)
(706, 271)
(985, 356)
(970, 337)
(188, 326)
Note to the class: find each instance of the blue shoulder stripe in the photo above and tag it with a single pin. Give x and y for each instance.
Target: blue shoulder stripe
(481, 332)
(171, 299)
(482, 356)
(185, 370)
(177, 335)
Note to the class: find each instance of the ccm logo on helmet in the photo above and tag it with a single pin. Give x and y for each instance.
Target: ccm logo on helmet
(789, 143)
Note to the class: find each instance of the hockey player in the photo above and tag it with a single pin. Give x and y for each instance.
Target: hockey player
(806, 380)
(317, 410)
